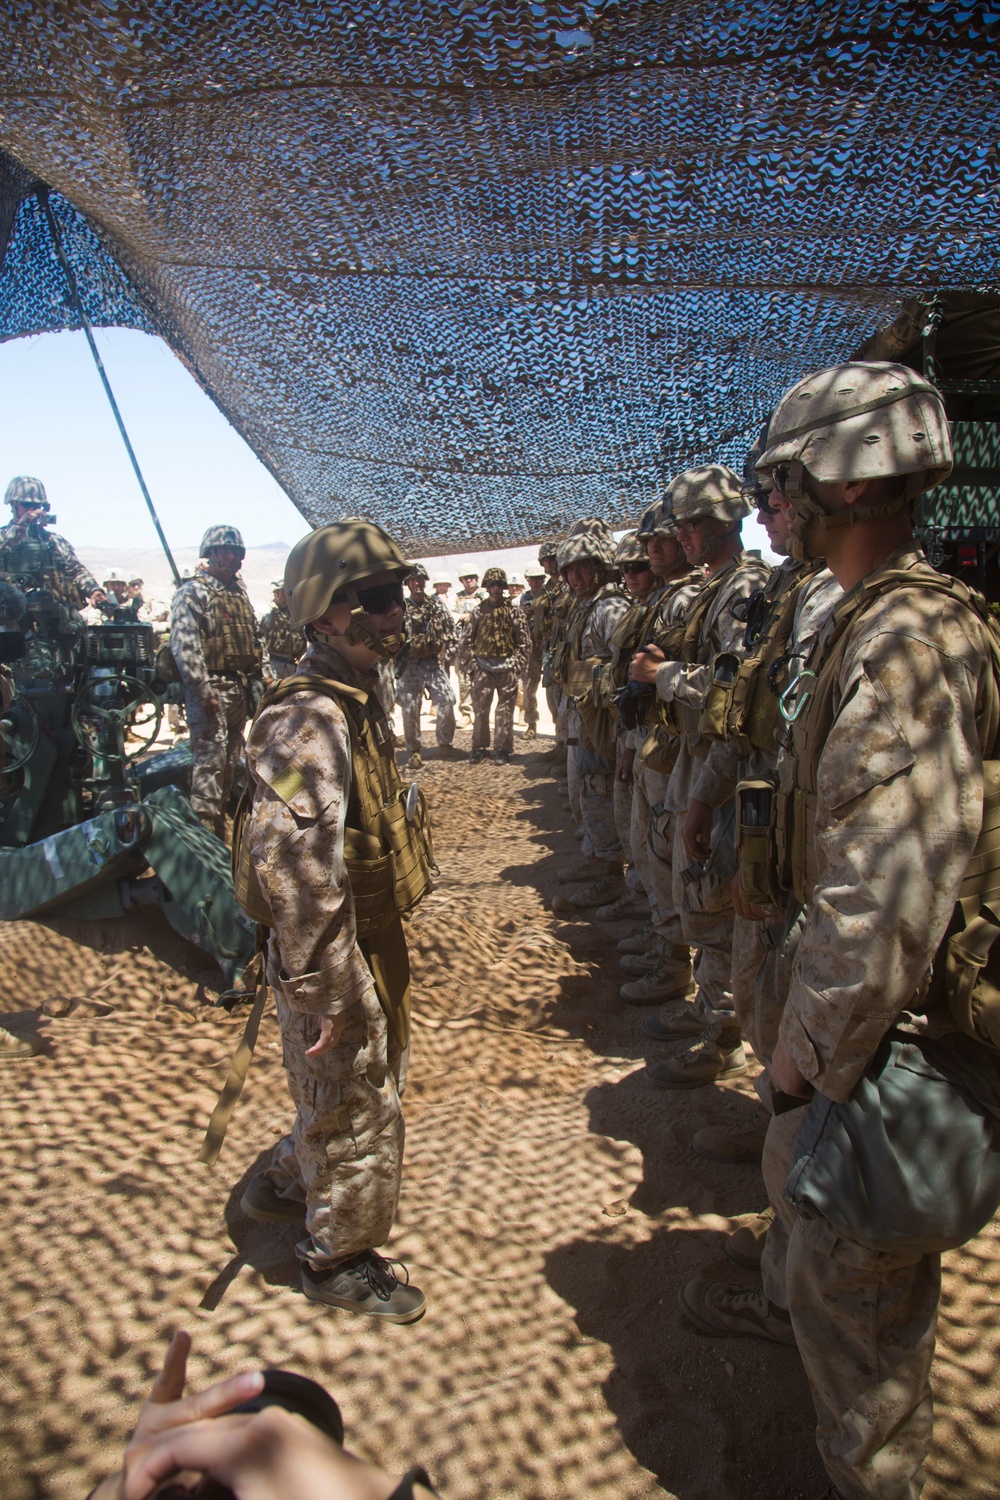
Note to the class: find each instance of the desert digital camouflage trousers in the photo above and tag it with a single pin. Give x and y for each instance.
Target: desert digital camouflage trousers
(416, 679)
(705, 903)
(216, 742)
(344, 1156)
(864, 1323)
(484, 685)
(529, 692)
(622, 803)
(652, 842)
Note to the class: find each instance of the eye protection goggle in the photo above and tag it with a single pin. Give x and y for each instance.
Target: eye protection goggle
(381, 598)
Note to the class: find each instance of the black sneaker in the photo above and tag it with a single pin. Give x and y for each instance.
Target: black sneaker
(476, 757)
(366, 1283)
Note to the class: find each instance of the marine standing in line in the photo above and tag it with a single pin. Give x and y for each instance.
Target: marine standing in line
(532, 605)
(880, 807)
(281, 641)
(431, 647)
(708, 507)
(337, 859)
(586, 561)
(215, 644)
(493, 650)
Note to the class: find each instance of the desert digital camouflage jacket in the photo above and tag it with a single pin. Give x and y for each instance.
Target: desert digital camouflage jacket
(204, 614)
(898, 810)
(298, 847)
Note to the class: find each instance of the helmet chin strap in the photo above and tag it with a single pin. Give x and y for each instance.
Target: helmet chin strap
(810, 520)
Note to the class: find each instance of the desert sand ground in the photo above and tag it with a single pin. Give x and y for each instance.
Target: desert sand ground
(551, 1209)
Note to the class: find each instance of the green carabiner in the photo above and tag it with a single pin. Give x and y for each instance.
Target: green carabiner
(799, 680)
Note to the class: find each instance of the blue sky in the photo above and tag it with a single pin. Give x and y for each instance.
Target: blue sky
(55, 422)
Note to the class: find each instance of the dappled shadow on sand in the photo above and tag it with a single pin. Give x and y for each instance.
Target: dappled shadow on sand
(550, 1210)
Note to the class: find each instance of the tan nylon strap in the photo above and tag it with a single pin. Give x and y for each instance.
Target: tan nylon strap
(238, 1069)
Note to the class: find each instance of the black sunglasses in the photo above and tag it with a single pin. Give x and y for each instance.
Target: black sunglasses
(381, 598)
(636, 567)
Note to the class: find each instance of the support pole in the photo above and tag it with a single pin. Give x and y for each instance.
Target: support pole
(43, 198)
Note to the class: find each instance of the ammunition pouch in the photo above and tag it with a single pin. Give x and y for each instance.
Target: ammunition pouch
(756, 844)
(659, 751)
(966, 969)
(166, 666)
(387, 885)
(717, 704)
(579, 675)
(558, 658)
(598, 728)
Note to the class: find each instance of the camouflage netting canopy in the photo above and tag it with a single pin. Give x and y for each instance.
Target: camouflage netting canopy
(473, 269)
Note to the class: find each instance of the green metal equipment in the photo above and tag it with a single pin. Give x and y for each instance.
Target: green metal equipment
(92, 822)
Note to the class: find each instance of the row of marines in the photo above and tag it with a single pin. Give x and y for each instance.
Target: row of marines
(795, 767)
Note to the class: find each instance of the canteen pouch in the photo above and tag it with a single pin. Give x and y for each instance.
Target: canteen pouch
(659, 751)
(166, 666)
(598, 728)
(716, 706)
(756, 844)
(911, 1162)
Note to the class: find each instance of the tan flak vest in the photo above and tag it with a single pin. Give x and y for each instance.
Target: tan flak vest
(681, 641)
(229, 633)
(742, 701)
(573, 671)
(388, 854)
(965, 974)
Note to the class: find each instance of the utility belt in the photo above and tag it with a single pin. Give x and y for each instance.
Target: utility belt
(424, 653)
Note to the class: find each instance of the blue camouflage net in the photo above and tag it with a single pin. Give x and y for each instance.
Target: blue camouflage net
(476, 269)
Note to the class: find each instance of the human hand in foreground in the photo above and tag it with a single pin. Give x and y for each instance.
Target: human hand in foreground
(626, 762)
(746, 909)
(696, 830)
(331, 1029)
(786, 1077)
(644, 663)
(266, 1455)
(166, 1408)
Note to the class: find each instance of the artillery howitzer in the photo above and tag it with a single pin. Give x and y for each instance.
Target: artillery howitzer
(93, 822)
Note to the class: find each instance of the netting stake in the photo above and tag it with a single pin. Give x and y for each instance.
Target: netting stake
(43, 198)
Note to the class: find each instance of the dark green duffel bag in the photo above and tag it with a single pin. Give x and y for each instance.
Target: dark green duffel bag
(912, 1160)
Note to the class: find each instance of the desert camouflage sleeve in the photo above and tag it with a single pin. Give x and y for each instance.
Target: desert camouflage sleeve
(900, 783)
(522, 632)
(300, 753)
(73, 567)
(685, 682)
(187, 611)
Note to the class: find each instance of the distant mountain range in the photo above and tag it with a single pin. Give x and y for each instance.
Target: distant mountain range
(262, 564)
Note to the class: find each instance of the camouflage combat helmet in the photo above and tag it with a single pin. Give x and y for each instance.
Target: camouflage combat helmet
(548, 550)
(277, 583)
(24, 490)
(113, 576)
(588, 540)
(863, 420)
(657, 520)
(712, 491)
(494, 575)
(221, 536)
(630, 549)
(417, 570)
(329, 563)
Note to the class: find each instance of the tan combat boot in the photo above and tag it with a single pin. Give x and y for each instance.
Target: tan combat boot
(745, 1245)
(16, 1048)
(672, 979)
(608, 886)
(734, 1143)
(712, 1060)
(735, 1312)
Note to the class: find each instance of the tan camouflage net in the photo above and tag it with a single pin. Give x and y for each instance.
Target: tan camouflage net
(473, 269)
